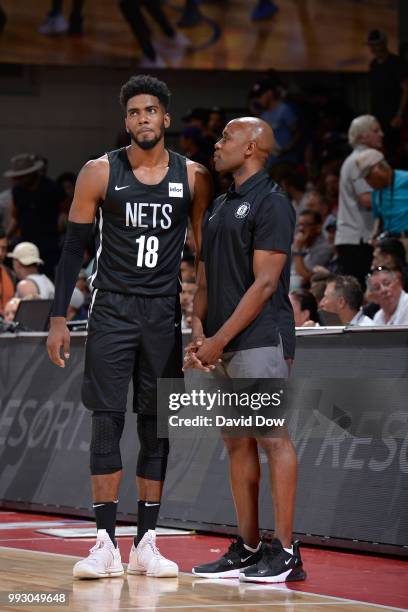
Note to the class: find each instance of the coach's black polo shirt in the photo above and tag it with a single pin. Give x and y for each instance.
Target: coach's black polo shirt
(256, 216)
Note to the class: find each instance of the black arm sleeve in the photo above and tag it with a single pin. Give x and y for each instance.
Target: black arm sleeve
(69, 265)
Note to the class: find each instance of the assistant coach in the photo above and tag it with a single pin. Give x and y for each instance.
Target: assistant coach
(243, 316)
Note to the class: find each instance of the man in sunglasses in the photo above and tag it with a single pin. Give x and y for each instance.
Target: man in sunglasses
(385, 287)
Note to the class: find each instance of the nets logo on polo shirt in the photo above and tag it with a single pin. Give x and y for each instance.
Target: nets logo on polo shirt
(242, 210)
(175, 190)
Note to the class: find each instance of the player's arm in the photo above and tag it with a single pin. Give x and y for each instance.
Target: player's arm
(200, 307)
(202, 192)
(267, 268)
(200, 303)
(90, 188)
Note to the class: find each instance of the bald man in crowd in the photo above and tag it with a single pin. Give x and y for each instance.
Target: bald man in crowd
(243, 327)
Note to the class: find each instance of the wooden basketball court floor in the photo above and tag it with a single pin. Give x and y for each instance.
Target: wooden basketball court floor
(303, 35)
(32, 562)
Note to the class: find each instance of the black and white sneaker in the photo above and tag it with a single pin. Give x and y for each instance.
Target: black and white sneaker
(236, 559)
(276, 565)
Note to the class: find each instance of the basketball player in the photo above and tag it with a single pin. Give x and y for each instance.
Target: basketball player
(241, 315)
(141, 196)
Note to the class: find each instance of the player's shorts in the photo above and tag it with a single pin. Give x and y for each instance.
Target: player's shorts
(130, 338)
(263, 362)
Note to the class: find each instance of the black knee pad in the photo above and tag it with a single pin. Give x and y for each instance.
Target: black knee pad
(107, 428)
(152, 460)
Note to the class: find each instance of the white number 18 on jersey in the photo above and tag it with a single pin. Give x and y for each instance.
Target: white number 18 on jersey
(147, 251)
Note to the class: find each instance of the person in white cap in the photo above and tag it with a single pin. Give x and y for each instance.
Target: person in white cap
(26, 260)
(389, 200)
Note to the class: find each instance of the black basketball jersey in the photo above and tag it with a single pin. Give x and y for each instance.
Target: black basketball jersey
(141, 229)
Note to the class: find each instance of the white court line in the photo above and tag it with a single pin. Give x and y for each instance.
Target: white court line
(232, 604)
(35, 540)
(37, 552)
(336, 600)
(354, 601)
(35, 524)
(288, 589)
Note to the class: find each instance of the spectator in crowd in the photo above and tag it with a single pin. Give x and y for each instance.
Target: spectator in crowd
(355, 222)
(82, 282)
(216, 122)
(389, 199)
(6, 207)
(266, 98)
(330, 233)
(310, 248)
(385, 287)
(304, 308)
(344, 297)
(67, 181)
(295, 186)
(75, 310)
(186, 300)
(187, 269)
(319, 280)
(193, 146)
(389, 90)
(331, 184)
(316, 201)
(10, 309)
(6, 276)
(27, 290)
(198, 118)
(55, 22)
(37, 205)
(26, 262)
(390, 252)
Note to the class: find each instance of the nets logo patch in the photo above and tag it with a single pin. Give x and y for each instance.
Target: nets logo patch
(242, 210)
(175, 190)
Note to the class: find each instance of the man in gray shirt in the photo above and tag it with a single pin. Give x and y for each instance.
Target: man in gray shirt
(310, 248)
(355, 222)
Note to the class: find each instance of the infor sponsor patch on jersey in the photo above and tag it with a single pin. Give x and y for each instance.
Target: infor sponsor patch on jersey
(175, 190)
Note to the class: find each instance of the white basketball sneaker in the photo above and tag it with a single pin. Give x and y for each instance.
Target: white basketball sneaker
(146, 559)
(103, 561)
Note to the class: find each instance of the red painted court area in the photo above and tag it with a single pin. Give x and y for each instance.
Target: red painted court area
(366, 578)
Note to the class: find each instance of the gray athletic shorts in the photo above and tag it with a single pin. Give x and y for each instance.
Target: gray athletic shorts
(263, 362)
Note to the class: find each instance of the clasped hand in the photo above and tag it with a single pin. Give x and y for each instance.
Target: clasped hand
(203, 353)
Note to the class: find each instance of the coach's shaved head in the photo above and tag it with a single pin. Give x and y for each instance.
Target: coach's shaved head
(256, 130)
(246, 144)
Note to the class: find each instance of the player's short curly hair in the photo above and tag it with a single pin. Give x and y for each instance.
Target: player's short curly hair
(145, 84)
